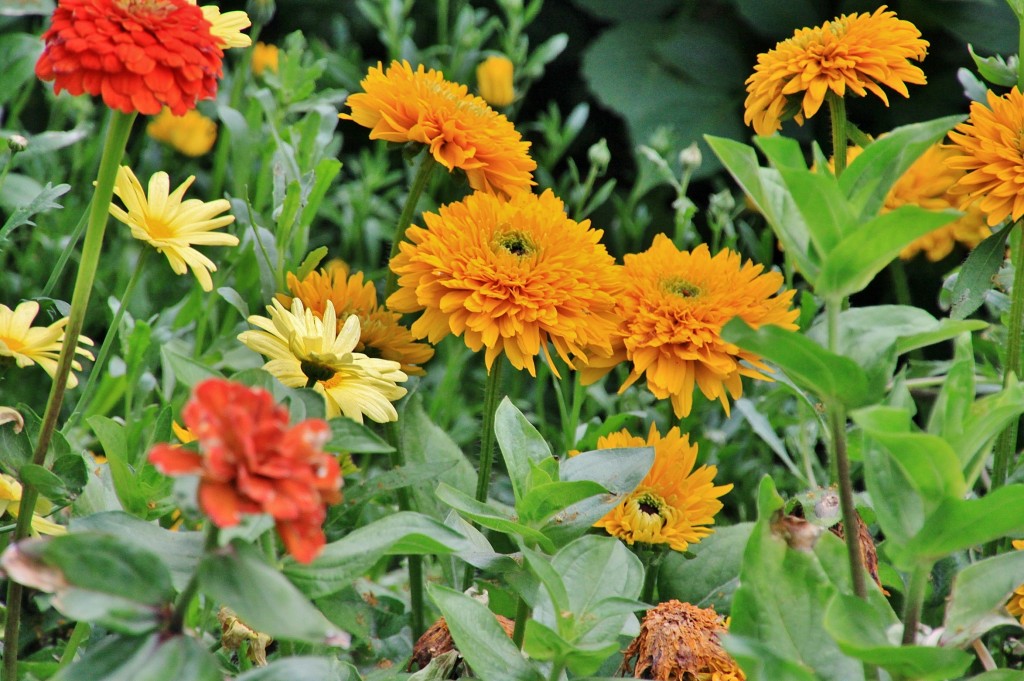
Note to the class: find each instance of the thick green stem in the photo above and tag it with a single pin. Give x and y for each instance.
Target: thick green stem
(652, 565)
(78, 634)
(841, 463)
(108, 342)
(419, 183)
(837, 111)
(118, 129)
(177, 622)
(416, 610)
(1006, 445)
(523, 611)
(914, 599)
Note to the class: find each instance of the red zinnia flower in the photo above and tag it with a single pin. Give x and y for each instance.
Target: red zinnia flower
(251, 461)
(139, 55)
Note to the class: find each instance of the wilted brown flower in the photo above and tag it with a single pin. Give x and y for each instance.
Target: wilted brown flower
(437, 640)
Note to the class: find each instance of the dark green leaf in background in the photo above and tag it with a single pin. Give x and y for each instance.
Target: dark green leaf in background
(977, 273)
(153, 658)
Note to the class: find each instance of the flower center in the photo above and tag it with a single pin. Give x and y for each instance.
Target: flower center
(516, 243)
(315, 372)
(680, 287)
(159, 229)
(150, 7)
(650, 504)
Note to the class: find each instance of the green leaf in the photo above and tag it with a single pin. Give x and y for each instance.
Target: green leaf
(868, 248)
(491, 517)
(986, 419)
(868, 179)
(956, 395)
(310, 262)
(783, 594)
(978, 599)
(304, 668)
(999, 675)
(179, 552)
(860, 629)
(22, 215)
(16, 448)
(153, 658)
(977, 272)
(710, 578)
(543, 501)
(185, 370)
(439, 668)
(237, 576)
(810, 366)
(343, 561)
(115, 446)
(762, 662)
(995, 69)
(63, 483)
(521, 444)
(486, 647)
(946, 329)
(351, 437)
(900, 515)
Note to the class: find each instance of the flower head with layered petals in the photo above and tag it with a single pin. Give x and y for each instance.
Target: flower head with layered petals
(675, 504)
(306, 350)
(170, 225)
(462, 131)
(138, 55)
(989, 146)
(251, 461)
(381, 332)
(674, 307)
(509, 275)
(41, 345)
(855, 52)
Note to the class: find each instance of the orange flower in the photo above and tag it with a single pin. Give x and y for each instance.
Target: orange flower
(264, 58)
(462, 131)
(494, 80)
(1015, 606)
(379, 328)
(252, 461)
(138, 55)
(509, 275)
(988, 147)
(675, 305)
(856, 52)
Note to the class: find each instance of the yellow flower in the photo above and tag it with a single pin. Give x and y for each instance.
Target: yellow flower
(227, 27)
(675, 305)
(988, 146)
(170, 225)
(509, 275)
(192, 134)
(41, 345)
(264, 58)
(305, 350)
(856, 52)
(1016, 604)
(381, 330)
(10, 502)
(674, 504)
(402, 105)
(494, 80)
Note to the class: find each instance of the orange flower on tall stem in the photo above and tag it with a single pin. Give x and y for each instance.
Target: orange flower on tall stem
(461, 130)
(251, 461)
(855, 52)
(138, 56)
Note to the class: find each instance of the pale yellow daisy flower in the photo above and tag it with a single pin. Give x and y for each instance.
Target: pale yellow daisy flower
(227, 27)
(41, 345)
(10, 502)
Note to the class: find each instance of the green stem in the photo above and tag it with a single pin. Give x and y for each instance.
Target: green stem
(415, 563)
(419, 183)
(912, 609)
(841, 463)
(177, 622)
(118, 129)
(652, 566)
(837, 112)
(556, 671)
(523, 611)
(108, 341)
(1006, 446)
(78, 634)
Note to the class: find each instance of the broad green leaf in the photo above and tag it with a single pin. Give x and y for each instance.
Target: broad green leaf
(868, 179)
(115, 446)
(179, 552)
(995, 69)
(783, 153)
(978, 600)
(821, 204)
(762, 662)
(783, 594)
(946, 330)
(543, 501)
(953, 403)
(860, 629)
(712, 576)
(343, 561)
(304, 668)
(900, 514)
(977, 272)
(808, 365)
(868, 248)
(152, 658)
(185, 370)
(63, 483)
(395, 478)
(423, 442)
(552, 581)
(958, 524)
(486, 647)
(110, 565)
(238, 577)
(479, 553)
(987, 418)
(492, 517)
(16, 448)
(310, 262)
(766, 190)
(521, 444)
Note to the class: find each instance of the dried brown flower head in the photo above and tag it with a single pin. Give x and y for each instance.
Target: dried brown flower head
(437, 640)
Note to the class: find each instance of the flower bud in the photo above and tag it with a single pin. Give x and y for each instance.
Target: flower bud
(599, 155)
(494, 81)
(690, 158)
(17, 143)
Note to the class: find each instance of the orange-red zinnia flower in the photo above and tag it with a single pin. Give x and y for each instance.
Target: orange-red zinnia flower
(138, 55)
(462, 131)
(251, 461)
